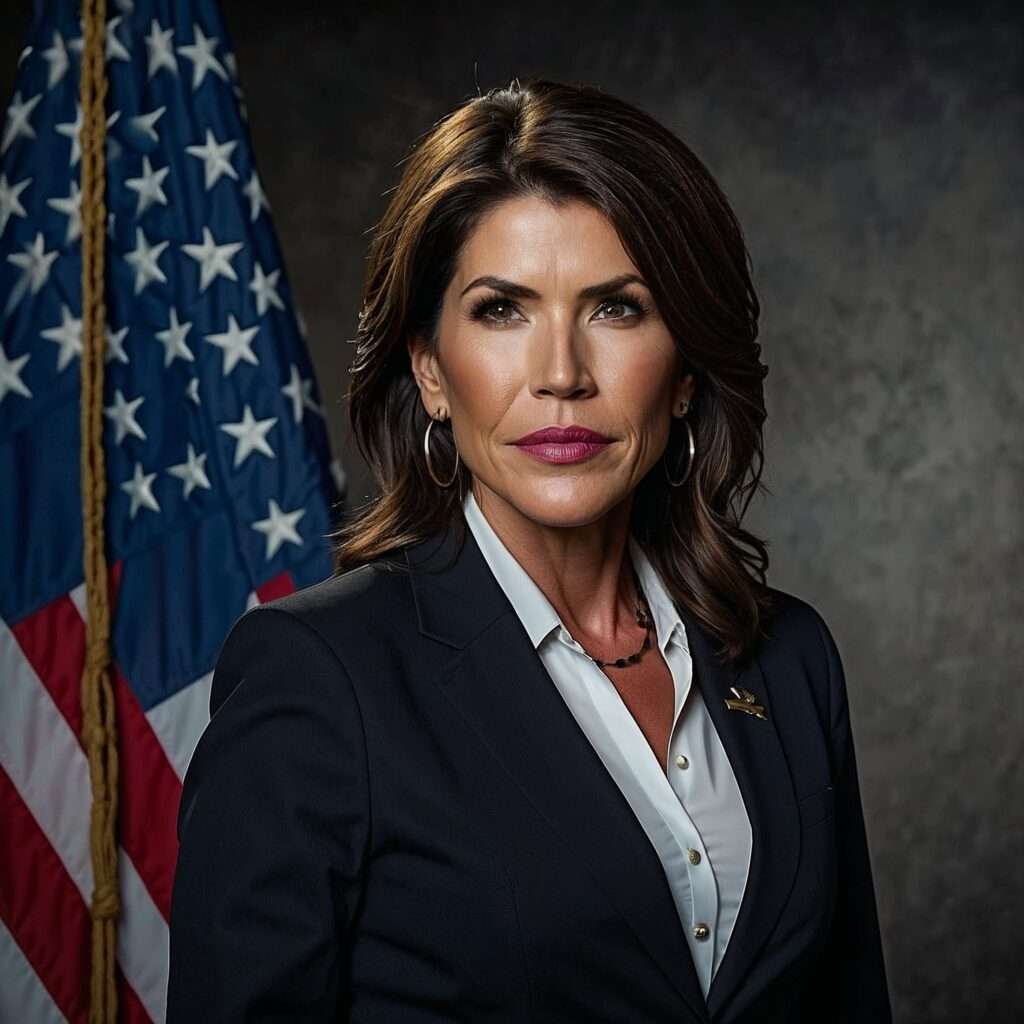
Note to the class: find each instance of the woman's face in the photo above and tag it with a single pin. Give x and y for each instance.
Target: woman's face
(551, 344)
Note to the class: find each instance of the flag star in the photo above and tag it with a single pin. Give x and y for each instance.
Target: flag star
(73, 130)
(192, 471)
(68, 335)
(115, 345)
(236, 344)
(231, 64)
(279, 527)
(300, 392)
(35, 264)
(201, 55)
(115, 48)
(250, 435)
(213, 259)
(144, 123)
(113, 144)
(9, 201)
(17, 124)
(57, 57)
(301, 321)
(144, 259)
(71, 207)
(10, 375)
(24, 55)
(173, 340)
(216, 158)
(140, 490)
(161, 53)
(148, 186)
(192, 390)
(256, 196)
(265, 288)
(122, 413)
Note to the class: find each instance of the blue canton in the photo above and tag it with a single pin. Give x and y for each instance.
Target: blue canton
(219, 472)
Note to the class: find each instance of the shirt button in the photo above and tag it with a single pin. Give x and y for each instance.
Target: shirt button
(682, 760)
(694, 856)
(701, 931)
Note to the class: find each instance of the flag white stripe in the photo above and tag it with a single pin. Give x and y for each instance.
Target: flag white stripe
(179, 721)
(23, 997)
(78, 600)
(42, 756)
(48, 768)
(143, 941)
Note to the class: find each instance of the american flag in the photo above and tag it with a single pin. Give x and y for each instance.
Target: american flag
(220, 483)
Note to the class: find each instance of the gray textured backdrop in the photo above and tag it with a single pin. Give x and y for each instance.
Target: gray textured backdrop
(876, 160)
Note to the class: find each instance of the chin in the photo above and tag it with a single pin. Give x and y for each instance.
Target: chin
(564, 503)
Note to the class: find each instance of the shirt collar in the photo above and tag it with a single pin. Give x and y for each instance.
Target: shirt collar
(536, 612)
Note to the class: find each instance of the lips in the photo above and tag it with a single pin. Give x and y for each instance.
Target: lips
(563, 435)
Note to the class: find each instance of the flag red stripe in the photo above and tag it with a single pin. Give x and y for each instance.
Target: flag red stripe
(150, 790)
(281, 585)
(42, 908)
(53, 641)
(150, 793)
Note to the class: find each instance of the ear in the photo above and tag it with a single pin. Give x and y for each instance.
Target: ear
(427, 371)
(683, 391)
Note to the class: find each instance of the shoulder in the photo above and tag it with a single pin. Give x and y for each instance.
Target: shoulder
(344, 610)
(314, 633)
(799, 641)
(796, 623)
(284, 719)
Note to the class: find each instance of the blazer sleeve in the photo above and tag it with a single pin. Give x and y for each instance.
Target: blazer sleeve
(273, 829)
(851, 985)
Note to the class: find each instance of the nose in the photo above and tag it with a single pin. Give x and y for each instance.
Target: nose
(560, 367)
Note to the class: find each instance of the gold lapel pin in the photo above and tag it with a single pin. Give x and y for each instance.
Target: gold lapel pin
(745, 701)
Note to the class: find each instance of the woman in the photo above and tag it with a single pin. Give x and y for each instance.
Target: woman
(547, 747)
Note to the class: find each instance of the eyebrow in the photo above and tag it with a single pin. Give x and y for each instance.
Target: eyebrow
(520, 291)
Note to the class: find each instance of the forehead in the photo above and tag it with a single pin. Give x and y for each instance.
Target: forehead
(530, 237)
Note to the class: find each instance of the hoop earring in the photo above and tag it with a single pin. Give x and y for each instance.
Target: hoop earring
(689, 461)
(426, 453)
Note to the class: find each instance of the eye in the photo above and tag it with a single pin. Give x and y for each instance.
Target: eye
(484, 310)
(623, 301)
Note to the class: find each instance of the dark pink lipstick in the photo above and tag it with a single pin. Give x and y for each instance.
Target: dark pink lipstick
(563, 444)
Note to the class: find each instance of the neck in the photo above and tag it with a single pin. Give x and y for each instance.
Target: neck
(583, 569)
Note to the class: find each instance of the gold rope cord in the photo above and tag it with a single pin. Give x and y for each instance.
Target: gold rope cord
(99, 727)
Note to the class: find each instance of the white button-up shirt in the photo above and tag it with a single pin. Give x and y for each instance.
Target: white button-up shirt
(694, 817)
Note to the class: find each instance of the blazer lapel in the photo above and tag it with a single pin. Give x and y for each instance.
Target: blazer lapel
(501, 687)
(762, 773)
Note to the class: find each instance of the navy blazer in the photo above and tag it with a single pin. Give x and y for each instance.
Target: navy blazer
(393, 816)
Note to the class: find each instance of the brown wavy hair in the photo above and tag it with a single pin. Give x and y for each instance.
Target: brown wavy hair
(565, 142)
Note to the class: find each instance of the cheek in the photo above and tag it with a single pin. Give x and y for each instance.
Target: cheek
(641, 380)
(482, 380)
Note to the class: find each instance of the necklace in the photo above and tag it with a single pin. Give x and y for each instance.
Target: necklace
(643, 618)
